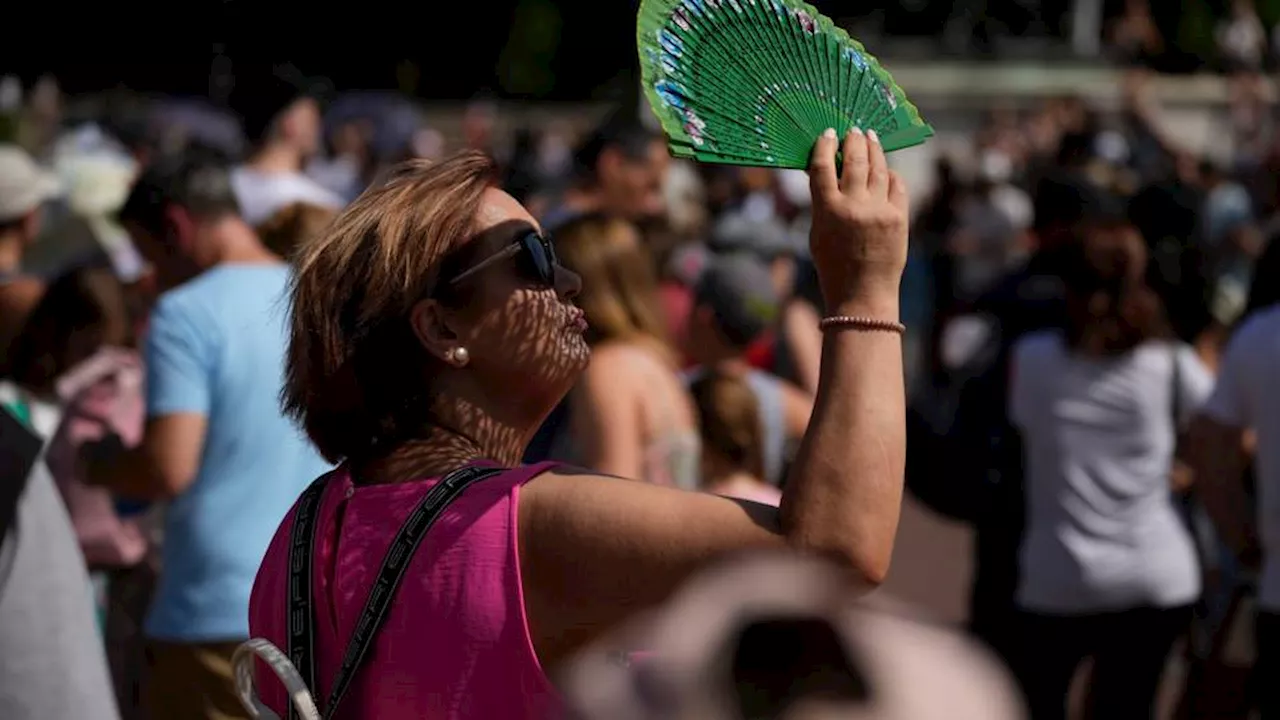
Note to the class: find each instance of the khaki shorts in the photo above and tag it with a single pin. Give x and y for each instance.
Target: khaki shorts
(191, 682)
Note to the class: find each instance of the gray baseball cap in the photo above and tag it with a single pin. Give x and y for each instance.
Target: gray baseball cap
(764, 238)
(24, 185)
(738, 288)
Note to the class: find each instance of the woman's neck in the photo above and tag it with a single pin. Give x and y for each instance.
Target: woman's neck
(442, 448)
(277, 158)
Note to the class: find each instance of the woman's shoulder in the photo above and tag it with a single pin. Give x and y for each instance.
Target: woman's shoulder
(630, 357)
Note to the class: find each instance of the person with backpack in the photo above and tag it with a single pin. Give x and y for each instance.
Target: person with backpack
(966, 459)
(1108, 568)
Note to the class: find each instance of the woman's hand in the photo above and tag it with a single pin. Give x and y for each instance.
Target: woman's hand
(859, 234)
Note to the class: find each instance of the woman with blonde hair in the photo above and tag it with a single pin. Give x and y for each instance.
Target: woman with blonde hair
(629, 413)
(433, 330)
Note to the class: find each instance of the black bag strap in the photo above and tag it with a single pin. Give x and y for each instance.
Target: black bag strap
(1177, 407)
(302, 617)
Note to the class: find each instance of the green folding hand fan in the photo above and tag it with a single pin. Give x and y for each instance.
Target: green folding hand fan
(755, 82)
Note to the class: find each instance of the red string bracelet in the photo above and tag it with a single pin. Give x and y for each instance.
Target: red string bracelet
(861, 323)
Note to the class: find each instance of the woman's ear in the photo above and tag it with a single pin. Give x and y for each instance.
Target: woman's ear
(433, 327)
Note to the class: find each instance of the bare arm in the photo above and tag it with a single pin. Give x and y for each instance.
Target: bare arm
(1217, 459)
(161, 467)
(594, 550)
(804, 341)
(797, 409)
(606, 417)
(166, 461)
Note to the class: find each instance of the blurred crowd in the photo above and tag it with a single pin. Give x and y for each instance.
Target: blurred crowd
(1090, 309)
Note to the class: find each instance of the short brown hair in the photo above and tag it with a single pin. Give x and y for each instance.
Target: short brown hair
(293, 226)
(729, 420)
(355, 376)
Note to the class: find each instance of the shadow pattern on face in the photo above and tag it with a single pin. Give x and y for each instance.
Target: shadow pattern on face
(524, 352)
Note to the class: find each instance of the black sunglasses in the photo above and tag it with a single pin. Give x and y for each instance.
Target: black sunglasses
(535, 257)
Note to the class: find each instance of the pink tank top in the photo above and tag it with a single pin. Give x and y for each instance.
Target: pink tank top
(456, 641)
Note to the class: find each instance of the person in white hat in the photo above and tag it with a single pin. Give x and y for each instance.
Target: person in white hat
(771, 635)
(24, 189)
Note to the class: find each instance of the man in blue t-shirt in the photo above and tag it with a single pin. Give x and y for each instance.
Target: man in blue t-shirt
(216, 446)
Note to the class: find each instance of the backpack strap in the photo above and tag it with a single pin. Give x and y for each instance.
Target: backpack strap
(302, 617)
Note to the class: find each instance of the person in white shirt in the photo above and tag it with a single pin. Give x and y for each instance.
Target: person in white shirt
(284, 124)
(1108, 566)
(1245, 402)
(53, 664)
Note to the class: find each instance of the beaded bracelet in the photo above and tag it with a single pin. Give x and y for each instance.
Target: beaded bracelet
(861, 323)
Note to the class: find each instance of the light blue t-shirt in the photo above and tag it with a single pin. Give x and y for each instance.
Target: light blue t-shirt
(215, 346)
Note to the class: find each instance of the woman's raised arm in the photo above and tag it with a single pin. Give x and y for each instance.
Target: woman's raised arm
(594, 550)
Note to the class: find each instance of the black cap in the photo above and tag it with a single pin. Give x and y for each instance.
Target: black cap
(765, 238)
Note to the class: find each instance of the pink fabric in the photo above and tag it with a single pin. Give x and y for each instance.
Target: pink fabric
(101, 396)
(677, 306)
(750, 491)
(456, 642)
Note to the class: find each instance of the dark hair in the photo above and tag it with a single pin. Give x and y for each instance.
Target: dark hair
(355, 376)
(1110, 307)
(807, 287)
(7, 226)
(80, 312)
(198, 181)
(625, 134)
(1264, 289)
(294, 225)
(1075, 148)
(262, 94)
(1064, 200)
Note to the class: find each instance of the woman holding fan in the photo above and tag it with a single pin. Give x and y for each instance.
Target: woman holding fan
(432, 331)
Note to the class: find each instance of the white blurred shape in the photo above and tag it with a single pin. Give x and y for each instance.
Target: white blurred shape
(795, 187)
(963, 338)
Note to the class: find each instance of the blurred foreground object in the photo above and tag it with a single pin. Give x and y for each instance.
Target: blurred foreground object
(775, 636)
